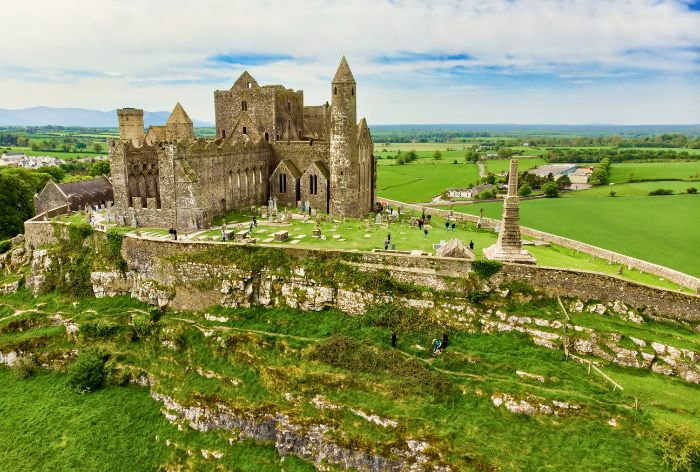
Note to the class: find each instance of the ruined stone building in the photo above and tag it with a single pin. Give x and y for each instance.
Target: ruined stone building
(267, 145)
(91, 192)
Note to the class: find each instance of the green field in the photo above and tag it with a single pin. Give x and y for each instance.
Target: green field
(420, 182)
(663, 230)
(60, 154)
(498, 166)
(627, 171)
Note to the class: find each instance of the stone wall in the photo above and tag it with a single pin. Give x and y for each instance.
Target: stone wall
(38, 231)
(614, 257)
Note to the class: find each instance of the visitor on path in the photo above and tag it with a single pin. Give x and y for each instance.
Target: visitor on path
(250, 230)
(255, 221)
(388, 236)
(447, 225)
(429, 215)
(436, 345)
(471, 245)
(420, 224)
(386, 245)
(454, 225)
(223, 234)
(425, 233)
(175, 233)
(393, 339)
(443, 346)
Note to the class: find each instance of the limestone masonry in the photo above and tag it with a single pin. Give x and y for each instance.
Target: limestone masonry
(268, 145)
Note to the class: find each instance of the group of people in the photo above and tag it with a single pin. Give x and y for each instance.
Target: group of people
(453, 225)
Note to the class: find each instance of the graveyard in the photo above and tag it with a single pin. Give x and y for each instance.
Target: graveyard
(284, 227)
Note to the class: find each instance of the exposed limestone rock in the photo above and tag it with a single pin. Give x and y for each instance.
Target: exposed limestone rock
(109, 284)
(308, 442)
(532, 405)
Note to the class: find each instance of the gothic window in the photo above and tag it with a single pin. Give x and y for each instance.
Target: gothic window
(250, 85)
(283, 182)
(244, 105)
(352, 91)
(223, 133)
(267, 137)
(244, 130)
(335, 90)
(313, 185)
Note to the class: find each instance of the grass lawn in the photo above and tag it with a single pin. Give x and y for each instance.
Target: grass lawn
(663, 230)
(60, 154)
(626, 171)
(636, 189)
(47, 426)
(420, 182)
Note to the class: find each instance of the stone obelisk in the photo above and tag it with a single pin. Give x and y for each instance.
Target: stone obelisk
(509, 246)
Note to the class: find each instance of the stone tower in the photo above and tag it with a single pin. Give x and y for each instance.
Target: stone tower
(131, 124)
(179, 125)
(344, 165)
(509, 248)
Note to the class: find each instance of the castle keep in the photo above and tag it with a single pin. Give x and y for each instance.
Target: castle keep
(268, 145)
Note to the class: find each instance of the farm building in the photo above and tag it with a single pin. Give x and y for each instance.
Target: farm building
(557, 170)
(468, 192)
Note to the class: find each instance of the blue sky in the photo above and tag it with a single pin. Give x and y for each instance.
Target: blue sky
(416, 61)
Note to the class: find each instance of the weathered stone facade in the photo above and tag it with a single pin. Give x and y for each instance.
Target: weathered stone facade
(76, 195)
(263, 150)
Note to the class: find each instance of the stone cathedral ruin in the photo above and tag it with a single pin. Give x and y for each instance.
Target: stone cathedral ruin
(268, 145)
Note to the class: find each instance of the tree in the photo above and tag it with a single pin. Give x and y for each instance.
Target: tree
(524, 190)
(16, 205)
(97, 147)
(692, 190)
(505, 153)
(437, 155)
(86, 373)
(100, 168)
(550, 190)
(613, 193)
(57, 174)
(563, 182)
(491, 179)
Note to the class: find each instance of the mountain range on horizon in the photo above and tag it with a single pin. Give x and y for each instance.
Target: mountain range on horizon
(45, 116)
(82, 117)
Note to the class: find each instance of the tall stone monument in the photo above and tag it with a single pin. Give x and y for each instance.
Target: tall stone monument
(509, 247)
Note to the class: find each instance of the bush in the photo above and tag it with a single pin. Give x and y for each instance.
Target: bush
(680, 446)
(661, 191)
(613, 193)
(691, 190)
(394, 317)
(143, 326)
(24, 367)
(97, 329)
(5, 245)
(524, 190)
(477, 296)
(86, 373)
(485, 269)
(550, 190)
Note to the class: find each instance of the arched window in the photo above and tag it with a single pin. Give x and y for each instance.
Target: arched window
(223, 133)
(267, 137)
(244, 105)
(335, 90)
(244, 130)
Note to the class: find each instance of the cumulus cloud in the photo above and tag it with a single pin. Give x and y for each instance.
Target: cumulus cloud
(415, 60)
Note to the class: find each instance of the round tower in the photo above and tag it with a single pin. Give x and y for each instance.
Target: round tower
(344, 167)
(131, 124)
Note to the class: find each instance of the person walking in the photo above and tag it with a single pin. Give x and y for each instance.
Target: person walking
(447, 225)
(443, 346)
(454, 225)
(471, 245)
(393, 339)
(386, 245)
(255, 221)
(388, 237)
(425, 233)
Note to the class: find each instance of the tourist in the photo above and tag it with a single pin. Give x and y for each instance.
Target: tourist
(255, 221)
(443, 346)
(425, 233)
(447, 225)
(471, 245)
(429, 215)
(393, 339)
(223, 234)
(454, 225)
(388, 236)
(386, 245)
(250, 230)
(436, 345)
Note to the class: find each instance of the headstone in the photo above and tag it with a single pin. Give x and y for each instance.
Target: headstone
(241, 235)
(133, 218)
(314, 212)
(316, 232)
(281, 235)
(270, 205)
(278, 218)
(378, 219)
(229, 234)
(275, 203)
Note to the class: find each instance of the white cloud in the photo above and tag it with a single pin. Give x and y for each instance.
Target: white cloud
(151, 53)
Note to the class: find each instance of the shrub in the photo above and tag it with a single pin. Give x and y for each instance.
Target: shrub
(394, 317)
(524, 190)
(86, 373)
(477, 296)
(24, 367)
(661, 191)
(5, 245)
(691, 190)
(613, 193)
(550, 190)
(97, 329)
(680, 446)
(485, 269)
(143, 325)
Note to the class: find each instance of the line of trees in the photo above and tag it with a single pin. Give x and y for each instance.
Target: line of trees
(615, 155)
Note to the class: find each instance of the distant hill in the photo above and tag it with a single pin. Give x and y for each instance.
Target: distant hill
(42, 116)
